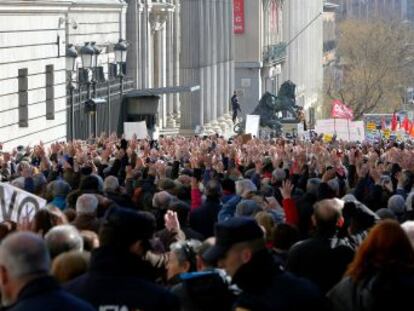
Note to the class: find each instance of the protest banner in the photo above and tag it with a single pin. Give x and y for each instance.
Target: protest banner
(17, 204)
(342, 128)
(252, 124)
(135, 128)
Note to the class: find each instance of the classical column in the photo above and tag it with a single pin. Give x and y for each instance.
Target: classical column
(228, 67)
(132, 35)
(221, 59)
(214, 66)
(170, 68)
(205, 66)
(176, 59)
(190, 33)
(146, 49)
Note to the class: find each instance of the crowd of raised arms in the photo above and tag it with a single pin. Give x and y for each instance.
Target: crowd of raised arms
(209, 223)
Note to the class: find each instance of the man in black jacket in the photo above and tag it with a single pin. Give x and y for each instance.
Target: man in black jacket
(24, 277)
(323, 258)
(203, 218)
(118, 276)
(240, 249)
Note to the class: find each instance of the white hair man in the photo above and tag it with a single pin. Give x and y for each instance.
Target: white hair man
(63, 238)
(86, 213)
(25, 282)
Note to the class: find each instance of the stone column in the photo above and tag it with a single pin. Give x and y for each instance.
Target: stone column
(176, 59)
(214, 67)
(146, 49)
(221, 59)
(170, 68)
(190, 33)
(132, 35)
(205, 66)
(229, 67)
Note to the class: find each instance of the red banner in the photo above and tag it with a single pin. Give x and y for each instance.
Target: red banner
(238, 23)
(341, 111)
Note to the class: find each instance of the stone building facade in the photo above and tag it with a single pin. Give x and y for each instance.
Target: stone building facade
(33, 78)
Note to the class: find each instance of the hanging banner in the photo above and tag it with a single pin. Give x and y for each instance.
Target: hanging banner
(238, 23)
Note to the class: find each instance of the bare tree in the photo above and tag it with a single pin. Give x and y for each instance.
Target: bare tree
(376, 60)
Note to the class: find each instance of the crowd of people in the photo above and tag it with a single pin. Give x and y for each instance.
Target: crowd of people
(208, 223)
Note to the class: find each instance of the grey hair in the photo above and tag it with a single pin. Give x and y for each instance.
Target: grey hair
(244, 187)
(86, 204)
(111, 183)
(279, 174)
(186, 250)
(63, 238)
(162, 199)
(24, 254)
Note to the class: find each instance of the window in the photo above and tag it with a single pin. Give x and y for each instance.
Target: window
(23, 98)
(50, 92)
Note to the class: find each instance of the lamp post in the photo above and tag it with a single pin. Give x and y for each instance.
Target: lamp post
(95, 57)
(120, 50)
(87, 53)
(71, 55)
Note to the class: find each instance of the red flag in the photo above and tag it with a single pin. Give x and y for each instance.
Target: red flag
(410, 126)
(406, 124)
(394, 122)
(341, 111)
(412, 130)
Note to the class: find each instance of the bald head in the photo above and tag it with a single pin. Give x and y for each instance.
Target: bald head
(326, 214)
(24, 254)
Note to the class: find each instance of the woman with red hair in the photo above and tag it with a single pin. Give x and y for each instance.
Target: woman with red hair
(381, 276)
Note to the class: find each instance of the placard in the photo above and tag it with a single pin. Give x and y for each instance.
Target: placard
(135, 128)
(17, 204)
(252, 124)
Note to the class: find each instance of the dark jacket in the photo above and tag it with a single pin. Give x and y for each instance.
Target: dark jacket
(45, 294)
(120, 199)
(382, 291)
(203, 218)
(320, 259)
(265, 286)
(207, 290)
(121, 279)
(229, 208)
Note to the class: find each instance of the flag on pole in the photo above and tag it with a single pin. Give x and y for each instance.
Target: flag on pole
(341, 111)
(406, 124)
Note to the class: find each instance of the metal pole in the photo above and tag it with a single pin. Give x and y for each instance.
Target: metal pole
(109, 108)
(72, 111)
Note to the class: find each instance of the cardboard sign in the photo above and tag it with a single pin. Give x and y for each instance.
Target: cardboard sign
(135, 128)
(252, 124)
(17, 204)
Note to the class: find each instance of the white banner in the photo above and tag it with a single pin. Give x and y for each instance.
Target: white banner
(252, 124)
(17, 204)
(344, 129)
(137, 128)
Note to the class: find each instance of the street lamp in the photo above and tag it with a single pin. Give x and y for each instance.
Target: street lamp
(121, 49)
(87, 53)
(71, 55)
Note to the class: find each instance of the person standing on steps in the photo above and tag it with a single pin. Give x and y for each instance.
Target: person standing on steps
(235, 106)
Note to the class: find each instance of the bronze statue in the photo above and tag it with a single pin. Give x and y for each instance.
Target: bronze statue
(270, 106)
